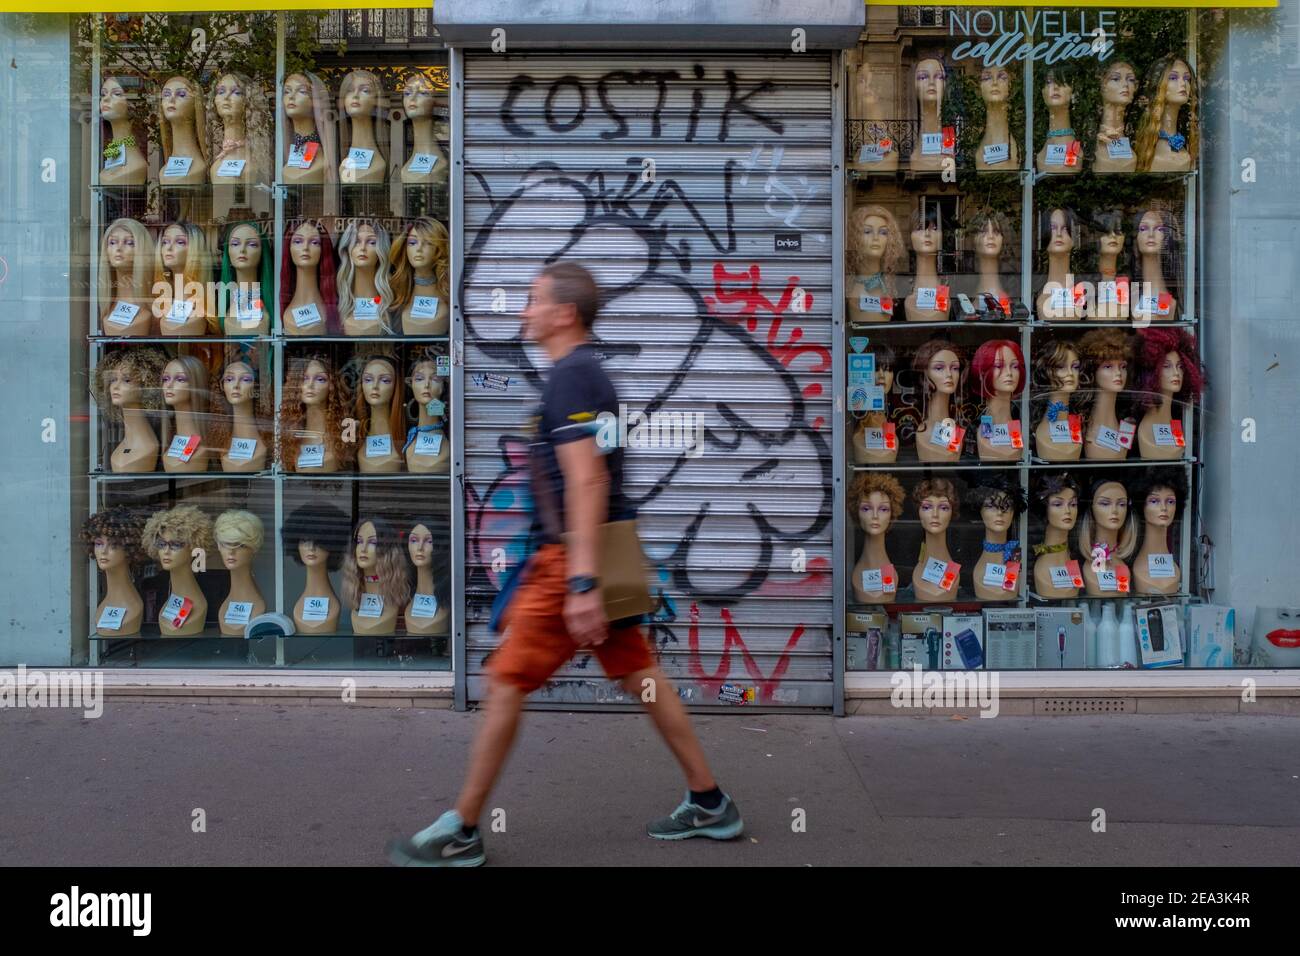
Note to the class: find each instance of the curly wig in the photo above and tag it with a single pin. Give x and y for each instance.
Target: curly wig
(1103, 345)
(321, 524)
(239, 527)
(1049, 485)
(938, 488)
(983, 365)
(1153, 344)
(895, 256)
(223, 421)
(122, 526)
(191, 524)
(146, 362)
(1153, 479)
(865, 483)
(1126, 542)
(402, 281)
(997, 490)
(390, 566)
(293, 413)
(1149, 128)
(396, 405)
(1051, 356)
(347, 270)
(326, 269)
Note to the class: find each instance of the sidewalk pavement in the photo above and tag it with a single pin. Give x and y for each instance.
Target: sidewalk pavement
(328, 785)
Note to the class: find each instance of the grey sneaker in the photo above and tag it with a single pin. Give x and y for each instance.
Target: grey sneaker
(439, 844)
(691, 820)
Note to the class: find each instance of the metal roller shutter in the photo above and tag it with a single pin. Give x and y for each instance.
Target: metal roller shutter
(698, 190)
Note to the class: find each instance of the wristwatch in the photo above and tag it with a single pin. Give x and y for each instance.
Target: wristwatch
(582, 583)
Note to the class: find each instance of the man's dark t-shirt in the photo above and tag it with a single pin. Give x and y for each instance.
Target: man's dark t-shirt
(576, 392)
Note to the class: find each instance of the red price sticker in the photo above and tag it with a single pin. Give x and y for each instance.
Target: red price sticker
(1013, 427)
(886, 304)
(1072, 152)
(1121, 580)
(891, 436)
(1121, 290)
(1126, 432)
(1076, 429)
(1076, 578)
(309, 152)
(1164, 303)
(949, 138)
(1080, 294)
(949, 575)
(958, 433)
(1004, 303)
(1176, 427)
(886, 143)
(1009, 579)
(888, 577)
(193, 444)
(941, 298)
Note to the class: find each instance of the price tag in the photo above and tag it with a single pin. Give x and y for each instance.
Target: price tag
(424, 307)
(372, 605)
(941, 573)
(1061, 301)
(1106, 581)
(177, 610)
(302, 156)
(123, 313)
(111, 618)
(949, 139)
(872, 152)
(1013, 429)
(1164, 435)
(927, 297)
(1114, 440)
(230, 168)
(1012, 573)
(1160, 566)
(118, 160)
(1108, 293)
(995, 575)
(1121, 579)
(1007, 435)
(177, 166)
(183, 446)
(379, 446)
(941, 299)
(365, 310)
(422, 163)
(1155, 304)
(306, 315)
(996, 153)
(1061, 577)
(428, 443)
(881, 439)
(1119, 148)
(1004, 303)
(932, 144)
(1072, 153)
(955, 438)
(242, 449)
(943, 432)
(249, 313)
(870, 303)
(315, 608)
(1058, 432)
(311, 456)
(1055, 154)
(1126, 432)
(180, 311)
(442, 366)
(359, 158)
(238, 612)
(424, 605)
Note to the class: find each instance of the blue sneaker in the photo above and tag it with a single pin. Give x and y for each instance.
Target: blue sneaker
(441, 843)
(691, 820)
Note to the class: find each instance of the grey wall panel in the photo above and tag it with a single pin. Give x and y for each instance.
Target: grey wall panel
(706, 314)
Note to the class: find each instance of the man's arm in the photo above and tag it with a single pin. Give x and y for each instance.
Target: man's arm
(586, 505)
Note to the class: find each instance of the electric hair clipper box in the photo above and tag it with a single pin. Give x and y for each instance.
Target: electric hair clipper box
(865, 640)
(1062, 640)
(1010, 639)
(1211, 636)
(921, 636)
(963, 642)
(1159, 635)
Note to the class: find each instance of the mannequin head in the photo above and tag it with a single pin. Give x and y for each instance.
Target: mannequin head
(884, 365)
(1108, 509)
(1057, 368)
(307, 245)
(239, 536)
(375, 555)
(930, 77)
(130, 378)
(315, 535)
(991, 236)
(939, 363)
(113, 102)
(999, 501)
(1106, 355)
(1158, 494)
(183, 250)
(1170, 86)
(1057, 86)
(1157, 232)
(113, 537)
(127, 250)
(875, 501)
(312, 382)
(181, 104)
(361, 98)
(305, 99)
(1110, 236)
(244, 248)
(999, 369)
(426, 546)
(1056, 499)
(426, 383)
(995, 84)
(364, 247)
(1118, 83)
(232, 97)
(422, 245)
(937, 502)
(875, 236)
(185, 384)
(1168, 366)
(1059, 229)
(418, 96)
(170, 537)
(927, 231)
(241, 383)
(379, 392)
(419, 545)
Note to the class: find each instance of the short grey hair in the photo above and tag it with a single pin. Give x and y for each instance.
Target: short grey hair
(571, 284)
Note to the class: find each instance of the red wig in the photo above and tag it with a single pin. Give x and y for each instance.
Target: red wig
(325, 271)
(1153, 345)
(981, 365)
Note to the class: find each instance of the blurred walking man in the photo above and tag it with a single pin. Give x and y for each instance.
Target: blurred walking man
(557, 608)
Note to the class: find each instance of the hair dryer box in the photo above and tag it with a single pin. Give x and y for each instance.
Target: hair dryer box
(963, 642)
(1159, 635)
(1062, 640)
(1211, 635)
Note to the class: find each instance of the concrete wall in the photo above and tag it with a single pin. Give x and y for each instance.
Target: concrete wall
(1251, 253)
(37, 603)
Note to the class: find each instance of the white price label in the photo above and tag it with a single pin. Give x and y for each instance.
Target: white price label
(172, 608)
(1001, 437)
(1119, 148)
(424, 307)
(1059, 432)
(242, 449)
(927, 297)
(177, 166)
(1056, 154)
(1150, 305)
(298, 157)
(1106, 581)
(1109, 438)
(311, 456)
(230, 168)
(372, 605)
(1164, 435)
(181, 447)
(1126, 432)
(111, 618)
(1061, 577)
(249, 315)
(870, 303)
(306, 315)
(123, 313)
(874, 438)
(379, 446)
(934, 571)
(943, 433)
(359, 158)
(180, 311)
(118, 160)
(1160, 566)
(424, 605)
(996, 153)
(872, 153)
(238, 612)
(315, 608)
(428, 443)
(422, 163)
(365, 310)
(994, 574)
(931, 144)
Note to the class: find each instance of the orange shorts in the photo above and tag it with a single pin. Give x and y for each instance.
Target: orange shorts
(537, 641)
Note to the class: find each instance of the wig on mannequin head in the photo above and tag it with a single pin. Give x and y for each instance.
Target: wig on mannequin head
(380, 114)
(1153, 344)
(1045, 229)
(320, 108)
(1111, 222)
(1126, 540)
(326, 269)
(321, 524)
(928, 216)
(200, 120)
(265, 271)
(293, 413)
(396, 407)
(1048, 485)
(937, 54)
(123, 527)
(1044, 380)
(257, 128)
(865, 483)
(1102, 345)
(1155, 90)
(238, 527)
(198, 260)
(1153, 479)
(895, 256)
(186, 522)
(263, 401)
(142, 264)
(1171, 256)
(440, 562)
(347, 270)
(390, 566)
(926, 353)
(137, 117)
(984, 218)
(402, 282)
(146, 363)
(938, 488)
(998, 489)
(196, 370)
(983, 366)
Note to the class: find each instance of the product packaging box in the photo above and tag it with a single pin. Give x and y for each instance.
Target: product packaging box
(1211, 636)
(1010, 639)
(866, 640)
(1062, 641)
(963, 642)
(921, 636)
(1159, 635)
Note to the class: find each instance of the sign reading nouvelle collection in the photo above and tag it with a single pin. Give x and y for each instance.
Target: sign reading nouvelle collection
(1009, 35)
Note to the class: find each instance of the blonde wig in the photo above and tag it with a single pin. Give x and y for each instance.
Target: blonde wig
(895, 256)
(186, 521)
(200, 120)
(142, 266)
(257, 129)
(390, 566)
(347, 270)
(1149, 128)
(320, 106)
(1127, 540)
(403, 278)
(198, 264)
(380, 114)
(147, 363)
(239, 527)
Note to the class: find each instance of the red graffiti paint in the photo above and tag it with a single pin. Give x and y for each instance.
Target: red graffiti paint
(752, 301)
(731, 638)
(815, 583)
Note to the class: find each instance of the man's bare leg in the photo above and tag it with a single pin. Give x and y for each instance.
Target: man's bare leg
(491, 747)
(670, 717)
